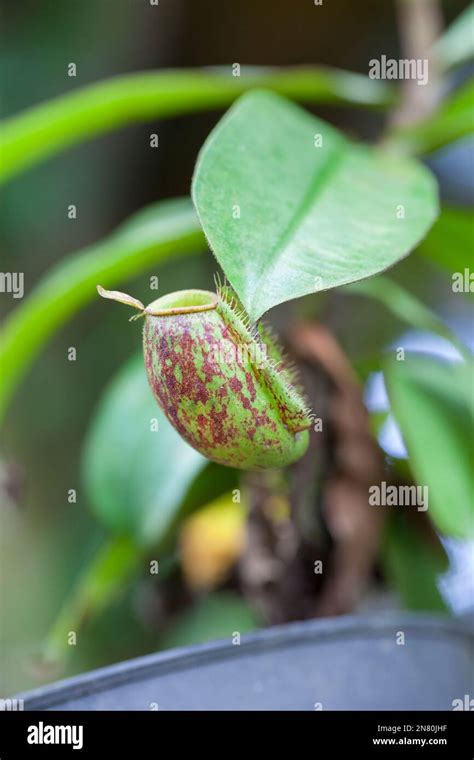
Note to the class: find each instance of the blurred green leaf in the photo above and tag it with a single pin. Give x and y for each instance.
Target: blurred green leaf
(286, 218)
(433, 404)
(217, 616)
(46, 129)
(161, 231)
(213, 481)
(453, 120)
(405, 306)
(450, 242)
(456, 45)
(412, 565)
(137, 468)
(109, 572)
(104, 577)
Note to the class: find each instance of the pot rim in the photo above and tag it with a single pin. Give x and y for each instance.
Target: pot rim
(424, 626)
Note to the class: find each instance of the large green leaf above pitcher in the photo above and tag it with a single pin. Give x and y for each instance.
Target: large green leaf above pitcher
(291, 207)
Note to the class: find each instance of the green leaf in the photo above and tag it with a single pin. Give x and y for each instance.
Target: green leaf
(159, 232)
(137, 477)
(285, 218)
(453, 120)
(407, 307)
(450, 242)
(412, 565)
(433, 404)
(104, 578)
(216, 616)
(211, 483)
(456, 45)
(44, 130)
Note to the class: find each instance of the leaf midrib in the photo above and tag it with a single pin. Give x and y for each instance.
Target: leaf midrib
(318, 184)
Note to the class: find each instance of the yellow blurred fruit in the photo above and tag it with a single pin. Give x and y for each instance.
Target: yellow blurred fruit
(211, 541)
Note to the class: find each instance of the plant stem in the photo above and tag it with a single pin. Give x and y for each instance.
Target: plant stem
(420, 25)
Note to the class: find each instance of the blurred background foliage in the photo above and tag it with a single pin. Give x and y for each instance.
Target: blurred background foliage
(88, 566)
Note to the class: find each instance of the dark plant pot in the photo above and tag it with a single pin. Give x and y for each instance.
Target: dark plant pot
(352, 663)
